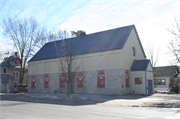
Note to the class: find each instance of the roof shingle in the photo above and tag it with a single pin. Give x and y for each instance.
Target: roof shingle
(140, 65)
(166, 71)
(96, 42)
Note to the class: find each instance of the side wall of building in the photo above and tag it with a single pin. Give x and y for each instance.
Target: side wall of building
(162, 87)
(137, 88)
(114, 83)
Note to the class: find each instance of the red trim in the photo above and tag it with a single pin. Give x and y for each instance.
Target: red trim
(60, 83)
(98, 82)
(82, 82)
(103, 82)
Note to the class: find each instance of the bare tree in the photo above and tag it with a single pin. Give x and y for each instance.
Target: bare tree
(67, 63)
(174, 44)
(43, 37)
(153, 53)
(23, 33)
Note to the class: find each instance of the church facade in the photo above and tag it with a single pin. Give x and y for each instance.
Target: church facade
(111, 62)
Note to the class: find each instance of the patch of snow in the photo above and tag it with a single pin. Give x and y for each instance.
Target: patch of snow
(151, 99)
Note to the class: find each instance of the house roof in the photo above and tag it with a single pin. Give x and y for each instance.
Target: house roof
(140, 65)
(96, 42)
(7, 58)
(166, 71)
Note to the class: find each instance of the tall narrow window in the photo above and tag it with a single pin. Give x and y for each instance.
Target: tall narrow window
(46, 80)
(14, 74)
(62, 81)
(4, 70)
(133, 51)
(127, 78)
(33, 81)
(101, 79)
(80, 80)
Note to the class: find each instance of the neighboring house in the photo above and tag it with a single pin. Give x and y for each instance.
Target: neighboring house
(10, 71)
(162, 76)
(111, 62)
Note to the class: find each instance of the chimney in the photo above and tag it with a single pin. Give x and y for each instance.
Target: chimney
(15, 53)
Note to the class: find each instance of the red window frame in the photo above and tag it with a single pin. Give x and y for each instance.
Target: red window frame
(46, 80)
(127, 78)
(80, 80)
(101, 79)
(33, 81)
(62, 81)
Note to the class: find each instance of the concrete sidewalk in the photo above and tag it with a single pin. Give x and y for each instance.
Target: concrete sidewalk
(156, 100)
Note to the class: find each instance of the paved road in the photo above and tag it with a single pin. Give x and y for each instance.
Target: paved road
(10, 109)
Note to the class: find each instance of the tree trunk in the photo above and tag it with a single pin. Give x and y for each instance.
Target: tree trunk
(68, 89)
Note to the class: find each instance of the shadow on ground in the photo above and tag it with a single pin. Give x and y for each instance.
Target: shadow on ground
(62, 99)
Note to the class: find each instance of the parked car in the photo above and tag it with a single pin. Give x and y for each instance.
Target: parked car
(21, 88)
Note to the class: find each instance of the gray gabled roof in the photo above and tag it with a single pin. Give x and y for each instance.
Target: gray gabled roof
(96, 42)
(5, 61)
(166, 71)
(140, 65)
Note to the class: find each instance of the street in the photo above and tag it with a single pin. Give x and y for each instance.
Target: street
(13, 109)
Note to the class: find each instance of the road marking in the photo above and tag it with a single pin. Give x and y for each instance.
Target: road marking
(116, 115)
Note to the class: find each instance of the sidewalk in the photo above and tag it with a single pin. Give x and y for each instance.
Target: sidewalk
(156, 100)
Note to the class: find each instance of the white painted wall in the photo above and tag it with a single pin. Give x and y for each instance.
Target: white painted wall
(137, 88)
(162, 87)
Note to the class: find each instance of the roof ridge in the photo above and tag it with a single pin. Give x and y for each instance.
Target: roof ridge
(95, 33)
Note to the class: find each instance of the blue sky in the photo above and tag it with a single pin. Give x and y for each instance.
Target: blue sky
(152, 18)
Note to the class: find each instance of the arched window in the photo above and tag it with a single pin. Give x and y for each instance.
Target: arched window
(33, 81)
(62, 81)
(80, 80)
(127, 78)
(46, 80)
(101, 79)
(133, 51)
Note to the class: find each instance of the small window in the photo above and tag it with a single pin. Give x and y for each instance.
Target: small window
(33, 81)
(138, 80)
(101, 79)
(14, 74)
(80, 80)
(127, 78)
(46, 81)
(133, 51)
(62, 81)
(159, 82)
(4, 70)
(15, 62)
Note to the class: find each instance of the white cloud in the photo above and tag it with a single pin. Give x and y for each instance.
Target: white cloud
(151, 18)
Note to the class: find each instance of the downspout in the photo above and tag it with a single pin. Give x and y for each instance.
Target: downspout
(145, 82)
